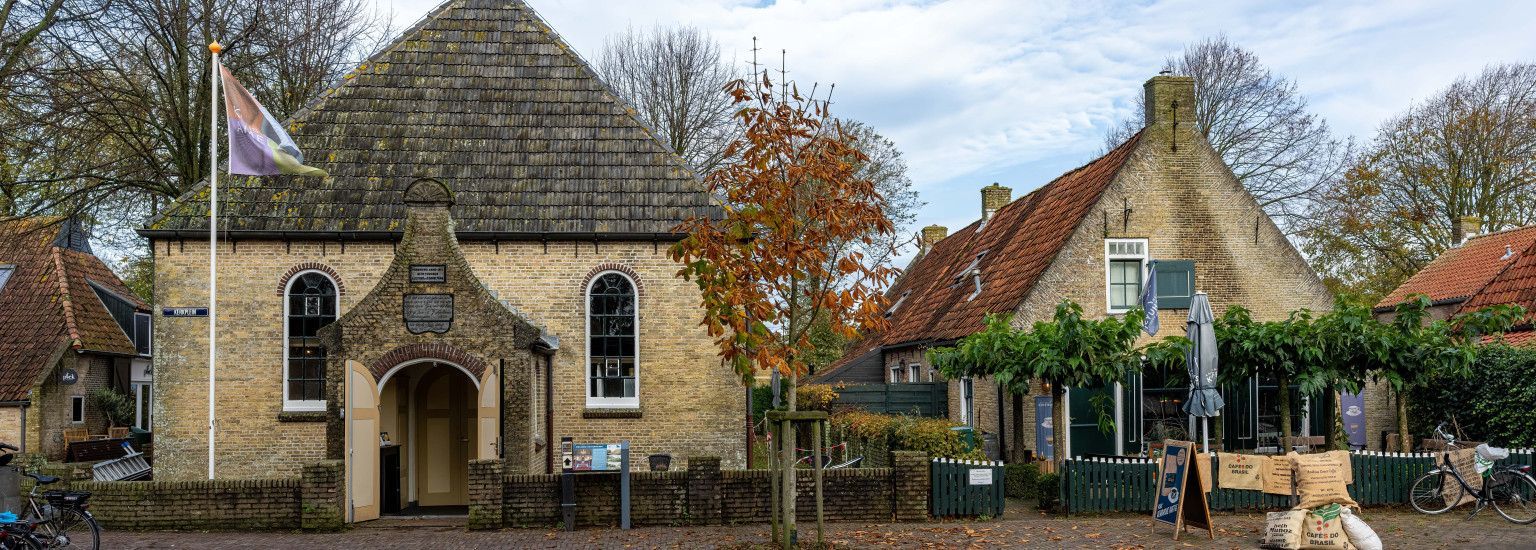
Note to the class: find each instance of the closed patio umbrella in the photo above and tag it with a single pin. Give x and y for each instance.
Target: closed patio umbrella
(1204, 401)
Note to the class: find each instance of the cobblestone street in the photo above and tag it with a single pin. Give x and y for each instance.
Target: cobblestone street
(1398, 529)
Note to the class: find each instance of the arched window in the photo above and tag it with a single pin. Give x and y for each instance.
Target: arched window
(310, 303)
(613, 376)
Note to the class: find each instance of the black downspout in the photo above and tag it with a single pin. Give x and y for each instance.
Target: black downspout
(549, 413)
(501, 410)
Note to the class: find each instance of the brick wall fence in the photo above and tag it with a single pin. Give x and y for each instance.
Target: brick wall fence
(312, 502)
(702, 495)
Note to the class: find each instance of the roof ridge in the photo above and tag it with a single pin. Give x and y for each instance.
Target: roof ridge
(1500, 232)
(65, 300)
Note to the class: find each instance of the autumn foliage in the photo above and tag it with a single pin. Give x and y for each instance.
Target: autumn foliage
(778, 258)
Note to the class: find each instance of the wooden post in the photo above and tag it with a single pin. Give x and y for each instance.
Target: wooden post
(773, 476)
(816, 457)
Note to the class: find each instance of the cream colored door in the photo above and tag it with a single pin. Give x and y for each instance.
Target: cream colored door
(362, 443)
(490, 403)
(445, 405)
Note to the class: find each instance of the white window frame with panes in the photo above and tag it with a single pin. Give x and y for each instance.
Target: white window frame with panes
(1117, 251)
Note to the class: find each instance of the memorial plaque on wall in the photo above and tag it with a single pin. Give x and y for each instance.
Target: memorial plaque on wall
(428, 312)
(429, 273)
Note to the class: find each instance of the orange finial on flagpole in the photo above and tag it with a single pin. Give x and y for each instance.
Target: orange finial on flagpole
(216, 48)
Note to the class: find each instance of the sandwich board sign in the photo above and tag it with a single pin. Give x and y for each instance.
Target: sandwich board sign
(1181, 493)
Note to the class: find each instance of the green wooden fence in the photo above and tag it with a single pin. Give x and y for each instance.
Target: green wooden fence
(966, 488)
(1128, 484)
(914, 398)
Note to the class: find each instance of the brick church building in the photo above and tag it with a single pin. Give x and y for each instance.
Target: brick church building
(483, 272)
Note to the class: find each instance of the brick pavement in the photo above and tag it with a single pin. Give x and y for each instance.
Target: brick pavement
(1398, 529)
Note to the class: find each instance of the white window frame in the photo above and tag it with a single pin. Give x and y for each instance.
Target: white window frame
(1110, 257)
(143, 414)
(292, 405)
(76, 403)
(586, 336)
(914, 373)
(150, 337)
(895, 376)
(967, 397)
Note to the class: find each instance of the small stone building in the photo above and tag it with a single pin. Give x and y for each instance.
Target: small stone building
(1090, 236)
(68, 326)
(483, 272)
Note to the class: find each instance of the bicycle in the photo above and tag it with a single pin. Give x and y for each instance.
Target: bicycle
(1510, 489)
(63, 520)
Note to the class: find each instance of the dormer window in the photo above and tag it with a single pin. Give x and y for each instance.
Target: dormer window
(973, 269)
(899, 301)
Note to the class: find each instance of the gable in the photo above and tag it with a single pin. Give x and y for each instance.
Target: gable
(484, 96)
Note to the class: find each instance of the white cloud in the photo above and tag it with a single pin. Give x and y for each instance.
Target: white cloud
(976, 91)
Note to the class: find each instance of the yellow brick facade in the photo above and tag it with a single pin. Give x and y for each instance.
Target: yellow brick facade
(690, 403)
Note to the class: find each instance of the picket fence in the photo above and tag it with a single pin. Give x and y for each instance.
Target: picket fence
(953, 493)
(1129, 484)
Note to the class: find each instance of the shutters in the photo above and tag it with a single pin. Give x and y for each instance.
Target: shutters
(1175, 283)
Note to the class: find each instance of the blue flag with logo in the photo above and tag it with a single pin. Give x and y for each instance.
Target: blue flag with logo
(1149, 300)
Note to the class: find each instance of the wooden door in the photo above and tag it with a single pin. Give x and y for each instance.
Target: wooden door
(362, 439)
(444, 403)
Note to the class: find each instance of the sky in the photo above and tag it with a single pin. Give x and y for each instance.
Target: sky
(1016, 92)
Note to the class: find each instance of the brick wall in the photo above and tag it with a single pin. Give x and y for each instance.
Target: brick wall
(707, 495)
(312, 502)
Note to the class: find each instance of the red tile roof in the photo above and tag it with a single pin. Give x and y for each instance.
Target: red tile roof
(48, 304)
(1011, 250)
(1515, 284)
(1461, 272)
(1519, 338)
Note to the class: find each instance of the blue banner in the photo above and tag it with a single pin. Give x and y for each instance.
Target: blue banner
(1170, 484)
(1043, 431)
(1353, 406)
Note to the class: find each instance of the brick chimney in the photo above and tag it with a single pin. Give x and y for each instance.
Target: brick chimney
(1170, 99)
(1466, 228)
(931, 236)
(994, 197)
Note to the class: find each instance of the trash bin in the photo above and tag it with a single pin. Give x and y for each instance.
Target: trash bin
(967, 436)
(660, 462)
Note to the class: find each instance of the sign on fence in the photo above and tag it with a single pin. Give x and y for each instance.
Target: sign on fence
(1181, 491)
(981, 476)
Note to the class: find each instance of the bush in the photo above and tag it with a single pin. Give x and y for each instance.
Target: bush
(932, 436)
(1048, 490)
(808, 397)
(1021, 481)
(1492, 403)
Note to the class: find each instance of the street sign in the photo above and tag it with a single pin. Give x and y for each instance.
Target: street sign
(184, 312)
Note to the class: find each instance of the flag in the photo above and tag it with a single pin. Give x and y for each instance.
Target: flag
(258, 146)
(1149, 300)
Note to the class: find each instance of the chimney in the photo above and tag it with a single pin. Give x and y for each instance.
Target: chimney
(1466, 228)
(994, 197)
(1170, 103)
(931, 236)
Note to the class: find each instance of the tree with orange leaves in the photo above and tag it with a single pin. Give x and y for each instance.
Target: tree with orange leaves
(779, 259)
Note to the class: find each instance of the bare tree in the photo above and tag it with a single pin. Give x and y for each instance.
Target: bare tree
(1260, 125)
(675, 79)
(1468, 151)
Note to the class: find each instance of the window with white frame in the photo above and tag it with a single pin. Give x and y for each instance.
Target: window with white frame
(310, 304)
(143, 396)
(5, 273)
(914, 372)
(77, 409)
(967, 401)
(895, 374)
(613, 375)
(1125, 262)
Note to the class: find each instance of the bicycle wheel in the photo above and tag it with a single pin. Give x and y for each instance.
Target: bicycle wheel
(1435, 492)
(71, 528)
(1512, 493)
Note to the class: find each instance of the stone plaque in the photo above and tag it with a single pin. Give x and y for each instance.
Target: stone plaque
(428, 312)
(429, 273)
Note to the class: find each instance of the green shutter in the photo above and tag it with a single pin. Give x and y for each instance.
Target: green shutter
(1175, 283)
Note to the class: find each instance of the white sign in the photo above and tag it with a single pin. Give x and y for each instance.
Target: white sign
(981, 476)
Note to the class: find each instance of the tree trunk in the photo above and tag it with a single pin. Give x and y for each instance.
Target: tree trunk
(1405, 438)
(1058, 423)
(787, 462)
(1284, 382)
(1019, 448)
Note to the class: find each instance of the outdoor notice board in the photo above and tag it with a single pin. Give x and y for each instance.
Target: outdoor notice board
(1181, 493)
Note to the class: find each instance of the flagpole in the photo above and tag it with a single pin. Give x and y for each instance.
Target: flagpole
(213, 244)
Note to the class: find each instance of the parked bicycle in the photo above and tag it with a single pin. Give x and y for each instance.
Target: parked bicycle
(54, 519)
(1509, 489)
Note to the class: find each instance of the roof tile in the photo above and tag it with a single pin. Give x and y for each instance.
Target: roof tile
(1460, 272)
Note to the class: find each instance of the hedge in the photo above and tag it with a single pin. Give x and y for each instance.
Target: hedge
(1493, 403)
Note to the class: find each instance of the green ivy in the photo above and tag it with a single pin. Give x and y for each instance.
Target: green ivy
(1492, 401)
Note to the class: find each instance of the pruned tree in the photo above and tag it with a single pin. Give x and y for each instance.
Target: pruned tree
(676, 80)
(1261, 126)
(765, 267)
(1468, 151)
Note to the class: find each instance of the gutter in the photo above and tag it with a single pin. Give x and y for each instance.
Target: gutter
(396, 235)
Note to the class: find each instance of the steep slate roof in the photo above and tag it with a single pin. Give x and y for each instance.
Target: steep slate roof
(1020, 241)
(1460, 272)
(485, 97)
(49, 304)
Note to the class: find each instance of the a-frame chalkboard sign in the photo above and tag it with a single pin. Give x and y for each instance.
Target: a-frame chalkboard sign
(1181, 493)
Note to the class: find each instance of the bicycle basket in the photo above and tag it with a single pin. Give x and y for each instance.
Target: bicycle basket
(69, 499)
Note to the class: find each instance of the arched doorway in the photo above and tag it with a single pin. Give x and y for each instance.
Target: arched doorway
(430, 419)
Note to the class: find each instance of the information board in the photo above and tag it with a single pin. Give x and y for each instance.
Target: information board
(1181, 491)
